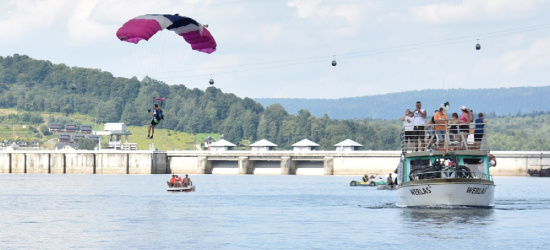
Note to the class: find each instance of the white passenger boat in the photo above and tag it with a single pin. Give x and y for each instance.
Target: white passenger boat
(452, 172)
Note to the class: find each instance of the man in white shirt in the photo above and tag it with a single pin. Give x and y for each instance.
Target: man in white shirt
(419, 122)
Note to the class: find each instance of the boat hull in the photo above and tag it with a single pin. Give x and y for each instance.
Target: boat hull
(446, 192)
(181, 189)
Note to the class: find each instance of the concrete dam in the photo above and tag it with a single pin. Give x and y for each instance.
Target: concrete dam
(510, 163)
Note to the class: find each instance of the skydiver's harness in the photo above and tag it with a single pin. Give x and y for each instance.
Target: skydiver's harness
(157, 115)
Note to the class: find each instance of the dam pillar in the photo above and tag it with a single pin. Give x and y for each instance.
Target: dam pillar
(57, 163)
(245, 165)
(288, 166)
(204, 165)
(328, 165)
(159, 163)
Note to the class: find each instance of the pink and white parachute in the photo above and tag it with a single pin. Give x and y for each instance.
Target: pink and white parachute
(145, 26)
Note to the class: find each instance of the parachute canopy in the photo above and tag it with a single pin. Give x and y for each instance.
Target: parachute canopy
(145, 26)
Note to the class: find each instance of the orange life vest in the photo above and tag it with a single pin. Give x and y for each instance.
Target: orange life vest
(172, 180)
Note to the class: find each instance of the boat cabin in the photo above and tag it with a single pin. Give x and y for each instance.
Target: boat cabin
(453, 165)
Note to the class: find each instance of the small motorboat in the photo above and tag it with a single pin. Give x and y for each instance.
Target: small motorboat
(372, 181)
(182, 189)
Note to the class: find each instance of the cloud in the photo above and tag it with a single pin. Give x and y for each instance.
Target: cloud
(535, 57)
(23, 17)
(81, 26)
(353, 13)
(476, 10)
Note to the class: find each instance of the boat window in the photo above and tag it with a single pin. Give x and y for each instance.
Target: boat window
(420, 163)
(472, 161)
(475, 164)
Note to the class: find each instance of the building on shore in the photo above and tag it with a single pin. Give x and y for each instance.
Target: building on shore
(305, 145)
(262, 145)
(347, 145)
(221, 145)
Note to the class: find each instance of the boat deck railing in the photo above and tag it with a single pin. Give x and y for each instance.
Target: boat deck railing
(448, 174)
(451, 138)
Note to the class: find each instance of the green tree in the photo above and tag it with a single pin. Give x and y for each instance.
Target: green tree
(44, 129)
(86, 143)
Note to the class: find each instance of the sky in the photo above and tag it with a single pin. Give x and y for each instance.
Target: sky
(284, 49)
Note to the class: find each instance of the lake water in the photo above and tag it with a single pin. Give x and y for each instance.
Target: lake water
(257, 212)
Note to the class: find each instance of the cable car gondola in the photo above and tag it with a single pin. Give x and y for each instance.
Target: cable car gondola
(211, 80)
(334, 61)
(478, 46)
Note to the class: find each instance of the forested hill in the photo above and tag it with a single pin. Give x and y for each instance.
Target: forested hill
(38, 86)
(498, 101)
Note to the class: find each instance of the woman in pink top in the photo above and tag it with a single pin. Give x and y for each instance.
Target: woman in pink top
(464, 122)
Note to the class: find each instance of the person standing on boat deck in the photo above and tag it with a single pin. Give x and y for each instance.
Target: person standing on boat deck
(408, 127)
(492, 161)
(389, 181)
(419, 121)
(479, 131)
(464, 122)
(429, 128)
(440, 119)
(186, 181)
(453, 127)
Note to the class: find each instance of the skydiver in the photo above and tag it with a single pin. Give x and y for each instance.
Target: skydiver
(157, 116)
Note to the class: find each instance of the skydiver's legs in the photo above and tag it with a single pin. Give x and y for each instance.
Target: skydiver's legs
(151, 130)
